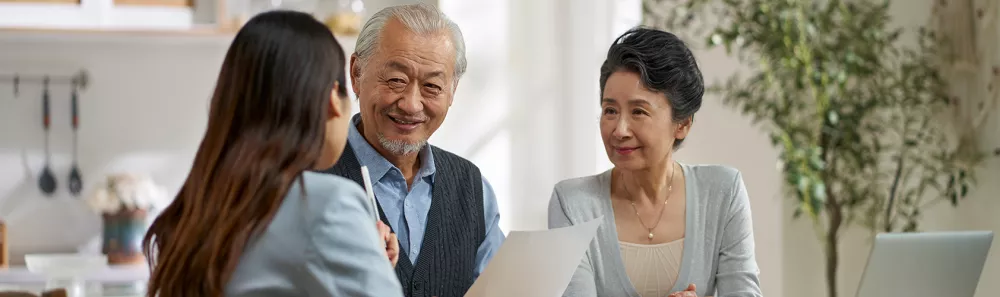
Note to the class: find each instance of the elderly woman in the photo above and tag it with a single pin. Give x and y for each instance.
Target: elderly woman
(668, 228)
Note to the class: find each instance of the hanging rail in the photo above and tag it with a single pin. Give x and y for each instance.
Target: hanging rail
(78, 80)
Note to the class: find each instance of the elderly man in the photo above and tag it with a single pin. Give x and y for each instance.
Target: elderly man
(405, 70)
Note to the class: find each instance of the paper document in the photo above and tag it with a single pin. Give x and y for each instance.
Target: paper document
(535, 263)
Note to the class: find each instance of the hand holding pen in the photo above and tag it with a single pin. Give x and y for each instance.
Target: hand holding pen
(391, 242)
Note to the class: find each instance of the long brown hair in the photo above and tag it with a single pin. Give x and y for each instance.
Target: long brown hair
(266, 126)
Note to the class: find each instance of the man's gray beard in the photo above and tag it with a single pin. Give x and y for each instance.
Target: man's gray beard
(398, 147)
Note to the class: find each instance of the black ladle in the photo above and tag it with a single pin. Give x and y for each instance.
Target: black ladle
(47, 182)
(75, 181)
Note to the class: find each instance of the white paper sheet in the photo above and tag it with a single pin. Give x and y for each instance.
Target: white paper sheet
(535, 263)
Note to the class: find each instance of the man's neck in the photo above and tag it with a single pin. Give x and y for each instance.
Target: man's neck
(408, 164)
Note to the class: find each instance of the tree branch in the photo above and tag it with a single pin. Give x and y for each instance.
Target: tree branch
(893, 190)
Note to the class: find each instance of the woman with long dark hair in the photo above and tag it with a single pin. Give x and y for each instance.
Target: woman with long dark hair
(251, 219)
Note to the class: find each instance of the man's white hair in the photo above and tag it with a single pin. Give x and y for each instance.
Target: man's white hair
(420, 18)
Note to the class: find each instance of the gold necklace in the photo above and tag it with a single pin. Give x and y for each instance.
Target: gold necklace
(670, 189)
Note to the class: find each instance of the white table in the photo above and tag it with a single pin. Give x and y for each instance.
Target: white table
(115, 281)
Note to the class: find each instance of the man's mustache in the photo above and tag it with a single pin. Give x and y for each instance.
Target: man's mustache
(399, 114)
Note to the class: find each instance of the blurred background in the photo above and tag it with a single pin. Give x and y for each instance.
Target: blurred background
(526, 113)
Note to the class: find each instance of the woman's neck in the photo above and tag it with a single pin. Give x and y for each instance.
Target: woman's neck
(649, 185)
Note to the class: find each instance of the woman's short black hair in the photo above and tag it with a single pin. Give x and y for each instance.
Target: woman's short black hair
(664, 64)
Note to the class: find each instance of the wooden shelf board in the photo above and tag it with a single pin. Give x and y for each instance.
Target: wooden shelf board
(195, 31)
(41, 1)
(175, 3)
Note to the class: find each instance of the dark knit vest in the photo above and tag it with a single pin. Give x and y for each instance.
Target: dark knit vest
(455, 227)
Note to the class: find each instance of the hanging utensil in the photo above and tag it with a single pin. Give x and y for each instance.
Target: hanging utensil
(75, 181)
(47, 182)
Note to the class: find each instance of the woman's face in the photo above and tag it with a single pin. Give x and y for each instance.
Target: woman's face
(637, 123)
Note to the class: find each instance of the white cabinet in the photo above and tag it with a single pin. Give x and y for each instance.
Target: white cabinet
(112, 15)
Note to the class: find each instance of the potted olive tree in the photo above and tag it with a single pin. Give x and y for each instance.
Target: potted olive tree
(851, 110)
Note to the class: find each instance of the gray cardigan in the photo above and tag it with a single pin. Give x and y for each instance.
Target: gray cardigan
(718, 252)
(321, 244)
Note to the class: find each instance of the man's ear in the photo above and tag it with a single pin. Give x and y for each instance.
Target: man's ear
(454, 89)
(355, 72)
(336, 107)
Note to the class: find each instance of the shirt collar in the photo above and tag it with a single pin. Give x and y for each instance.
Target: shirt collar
(378, 165)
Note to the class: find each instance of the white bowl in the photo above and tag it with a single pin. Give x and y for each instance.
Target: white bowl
(65, 265)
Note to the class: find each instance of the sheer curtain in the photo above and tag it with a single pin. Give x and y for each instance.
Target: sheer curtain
(526, 111)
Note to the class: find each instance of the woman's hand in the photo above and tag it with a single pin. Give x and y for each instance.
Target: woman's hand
(689, 292)
(391, 242)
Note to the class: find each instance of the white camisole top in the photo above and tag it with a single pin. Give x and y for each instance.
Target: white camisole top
(652, 268)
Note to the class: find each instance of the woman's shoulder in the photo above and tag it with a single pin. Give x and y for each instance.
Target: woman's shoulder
(323, 185)
(591, 186)
(712, 174)
(583, 195)
(716, 184)
(324, 192)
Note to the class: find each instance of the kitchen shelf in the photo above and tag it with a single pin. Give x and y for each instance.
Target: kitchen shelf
(197, 35)
(139, 18)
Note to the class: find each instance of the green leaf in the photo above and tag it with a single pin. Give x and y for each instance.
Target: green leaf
(819, 192)
(803, 184)
(714, 40)
(815, 207)
(833, 117)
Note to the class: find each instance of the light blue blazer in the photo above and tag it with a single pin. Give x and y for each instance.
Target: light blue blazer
(323, 243)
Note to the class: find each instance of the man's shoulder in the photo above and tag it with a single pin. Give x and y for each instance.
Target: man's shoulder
(442, 156)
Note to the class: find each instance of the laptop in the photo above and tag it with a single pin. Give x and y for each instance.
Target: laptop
(928, 264)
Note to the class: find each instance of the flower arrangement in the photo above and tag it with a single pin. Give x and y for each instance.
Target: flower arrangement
(124, 202)
(127, 192)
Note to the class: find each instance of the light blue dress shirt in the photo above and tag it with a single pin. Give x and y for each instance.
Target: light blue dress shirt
(406, 210)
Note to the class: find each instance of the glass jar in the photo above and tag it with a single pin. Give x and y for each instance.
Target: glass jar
(240, 11)
(343, 17)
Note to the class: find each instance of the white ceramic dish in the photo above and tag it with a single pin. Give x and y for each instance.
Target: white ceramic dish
(65, 266)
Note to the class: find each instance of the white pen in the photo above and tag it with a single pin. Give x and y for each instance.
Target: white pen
(371, 197)
(371, 192)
